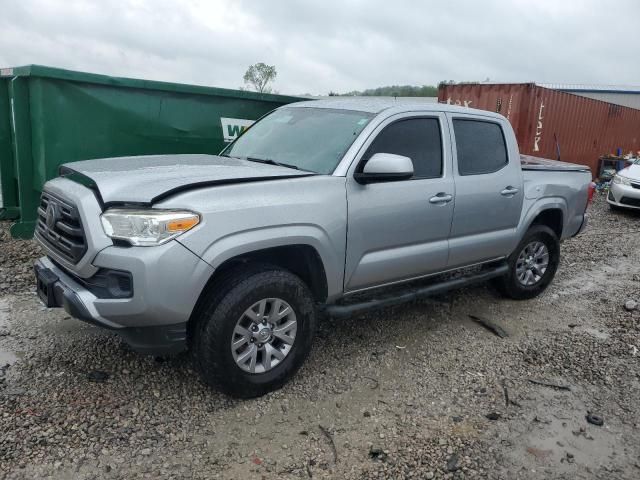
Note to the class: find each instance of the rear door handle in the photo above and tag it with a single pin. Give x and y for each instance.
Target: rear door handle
(509, 191)
(441, 198)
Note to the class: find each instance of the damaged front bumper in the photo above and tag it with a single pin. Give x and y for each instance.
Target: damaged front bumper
(58, 288)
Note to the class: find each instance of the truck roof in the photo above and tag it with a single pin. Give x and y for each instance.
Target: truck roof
(379, 104)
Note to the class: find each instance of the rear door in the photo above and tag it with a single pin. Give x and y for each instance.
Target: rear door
(399, 230)
(489, 190)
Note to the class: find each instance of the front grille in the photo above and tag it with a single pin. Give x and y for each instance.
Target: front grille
(633, 202)
(59, 227)
(635, 185)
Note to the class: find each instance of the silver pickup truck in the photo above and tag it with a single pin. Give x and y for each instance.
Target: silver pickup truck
(328, 207)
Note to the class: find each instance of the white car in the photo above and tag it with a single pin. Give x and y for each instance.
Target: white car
(625, 187)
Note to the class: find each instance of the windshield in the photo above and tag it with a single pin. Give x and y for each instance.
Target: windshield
(313, 139)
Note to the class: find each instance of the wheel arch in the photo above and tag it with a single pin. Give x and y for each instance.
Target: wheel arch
(551, 212)
(300, 259)
(326, 247)
(551, 217)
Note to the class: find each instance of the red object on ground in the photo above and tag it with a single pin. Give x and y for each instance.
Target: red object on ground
(592, 190)
(553, 124)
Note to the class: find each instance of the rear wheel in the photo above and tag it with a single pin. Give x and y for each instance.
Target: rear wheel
(532, 265)
(255, 334)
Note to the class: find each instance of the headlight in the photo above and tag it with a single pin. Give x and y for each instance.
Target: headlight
(147, 227)
(619, 179)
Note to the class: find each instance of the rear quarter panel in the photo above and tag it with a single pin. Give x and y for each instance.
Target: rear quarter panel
(567, 191)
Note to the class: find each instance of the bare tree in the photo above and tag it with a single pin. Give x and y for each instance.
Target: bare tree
(259, 76)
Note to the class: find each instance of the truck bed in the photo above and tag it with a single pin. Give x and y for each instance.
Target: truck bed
(534, 163)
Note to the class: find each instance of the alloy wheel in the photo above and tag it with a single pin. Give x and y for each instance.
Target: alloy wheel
(532, 263)
(264, 335)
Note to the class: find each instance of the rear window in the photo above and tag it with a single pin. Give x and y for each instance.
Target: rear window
(481, 147)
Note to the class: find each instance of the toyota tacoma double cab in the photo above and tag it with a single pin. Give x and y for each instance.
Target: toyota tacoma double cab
(326, 207)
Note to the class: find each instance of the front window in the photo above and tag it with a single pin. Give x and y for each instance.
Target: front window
(416, 138)
(306, 138)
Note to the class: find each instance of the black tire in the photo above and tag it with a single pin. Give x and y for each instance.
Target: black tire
(217, 318)
(510, 286)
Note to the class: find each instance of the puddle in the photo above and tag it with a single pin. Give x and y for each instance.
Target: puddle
(551, 442)
(558, 437)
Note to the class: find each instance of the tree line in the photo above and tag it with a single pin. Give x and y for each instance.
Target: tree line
(394, 91)
(260, 75)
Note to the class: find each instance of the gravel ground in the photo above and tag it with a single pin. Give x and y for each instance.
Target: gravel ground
(16, 262)
(418, 391)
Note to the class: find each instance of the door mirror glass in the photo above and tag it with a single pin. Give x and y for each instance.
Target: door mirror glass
(385, 167)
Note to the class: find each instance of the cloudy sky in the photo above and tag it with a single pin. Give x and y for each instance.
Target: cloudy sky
(339, 45)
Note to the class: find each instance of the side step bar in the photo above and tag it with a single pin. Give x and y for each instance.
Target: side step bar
(344, 311)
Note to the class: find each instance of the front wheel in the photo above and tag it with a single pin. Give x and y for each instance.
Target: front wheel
(532, 265)
(256, 334)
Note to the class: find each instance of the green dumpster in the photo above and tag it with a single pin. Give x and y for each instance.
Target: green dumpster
(50, 116)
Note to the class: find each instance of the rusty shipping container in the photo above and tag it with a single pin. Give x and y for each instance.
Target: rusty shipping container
(553, 124)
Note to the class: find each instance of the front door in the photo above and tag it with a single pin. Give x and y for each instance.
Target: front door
(399, 230)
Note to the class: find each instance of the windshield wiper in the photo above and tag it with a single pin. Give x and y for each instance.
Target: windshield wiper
(269, 161)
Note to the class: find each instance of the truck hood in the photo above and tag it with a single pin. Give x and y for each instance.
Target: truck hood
(147, 179)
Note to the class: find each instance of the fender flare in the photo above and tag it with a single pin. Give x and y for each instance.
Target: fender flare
(541, 205)
(248, 241)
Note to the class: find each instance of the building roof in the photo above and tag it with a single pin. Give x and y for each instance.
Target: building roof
(586, 88)
(570, 87)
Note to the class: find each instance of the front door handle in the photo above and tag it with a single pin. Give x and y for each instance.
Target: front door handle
(509, 191)
(441, 198)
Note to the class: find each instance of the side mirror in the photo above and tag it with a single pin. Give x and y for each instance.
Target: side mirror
(385, 167)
